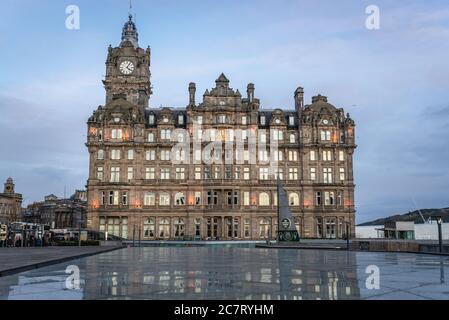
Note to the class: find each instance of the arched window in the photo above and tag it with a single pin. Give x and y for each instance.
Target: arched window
(164, 228)
(180, 199)
(264, 199)
(149, 226)
(151, 137)
(179, 227)
(293, 199)
(100, 155)
(292, 138)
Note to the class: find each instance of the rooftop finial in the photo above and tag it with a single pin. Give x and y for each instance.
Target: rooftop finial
(129, 33)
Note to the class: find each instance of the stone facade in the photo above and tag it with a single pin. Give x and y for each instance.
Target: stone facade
(10, 203)
(58, 213)
(135, 189)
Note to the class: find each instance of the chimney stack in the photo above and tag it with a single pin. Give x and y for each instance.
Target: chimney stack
(250, 92)
(192, 92)
(299, 99)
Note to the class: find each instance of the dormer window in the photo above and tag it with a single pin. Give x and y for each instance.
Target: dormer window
(181, 119)
(291, 120)
(151, 119)
(263, 120)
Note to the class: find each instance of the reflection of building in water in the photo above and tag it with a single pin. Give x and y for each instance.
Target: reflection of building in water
(201, 273)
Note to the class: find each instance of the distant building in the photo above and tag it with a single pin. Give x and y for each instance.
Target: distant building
(10, 203)
(59, 213)
(421, 231)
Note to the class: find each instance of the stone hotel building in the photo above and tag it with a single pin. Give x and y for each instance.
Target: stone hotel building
(135, 189)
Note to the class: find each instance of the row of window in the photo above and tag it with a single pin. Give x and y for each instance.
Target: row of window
(223, 119)
(215, 173)
(199, 155)
(164, 228)
(230, 198)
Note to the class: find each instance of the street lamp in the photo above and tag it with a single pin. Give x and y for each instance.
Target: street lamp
(440, 234)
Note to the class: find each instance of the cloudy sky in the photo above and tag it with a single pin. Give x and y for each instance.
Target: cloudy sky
(394, 81)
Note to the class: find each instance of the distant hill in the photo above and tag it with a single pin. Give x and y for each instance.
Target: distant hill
(414, 216)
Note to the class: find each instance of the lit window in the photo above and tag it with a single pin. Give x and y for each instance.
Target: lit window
(125, 198)
(327, 155)
(246, 198)
(325, 135)
(278, 135)
(151, 119)
(197, 198)
(179, 199)
(180, 173)
(165, 155)
(291, 120)
(313, 174)
(198, 173)
(115, 154)
(278, 156)
(293, 173)
(221, 119)
(264, 199)
(318, 198)
(150, 155)
(116, 134)
(130, 173)
(246, 174)
(115, 174)
(165, 173)
(292, 155)
(263, 155)
(329, 198)
(263, 173)
(100, 173)
(342, 174)
(164, 199)
(279, 173)
(165, 134)
(292, 138)
(150, 173)
(293, 199)
(327, 175)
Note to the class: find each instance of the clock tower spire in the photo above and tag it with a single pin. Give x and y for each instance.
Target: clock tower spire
(128, 68)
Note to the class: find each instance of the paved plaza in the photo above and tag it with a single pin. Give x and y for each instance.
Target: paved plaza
(236, 273)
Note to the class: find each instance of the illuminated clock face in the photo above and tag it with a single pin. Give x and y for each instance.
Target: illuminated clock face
(126, 67)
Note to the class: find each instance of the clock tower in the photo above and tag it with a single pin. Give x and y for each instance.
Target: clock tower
(128, 68)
